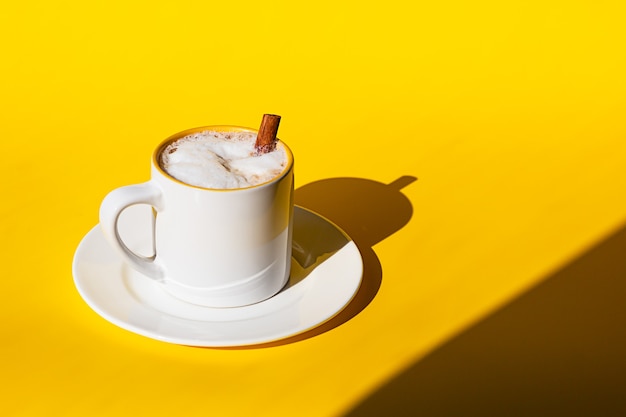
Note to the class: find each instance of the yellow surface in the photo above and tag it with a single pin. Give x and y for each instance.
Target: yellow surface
(509, 114)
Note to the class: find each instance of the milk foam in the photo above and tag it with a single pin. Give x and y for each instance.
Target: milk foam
(222, 160)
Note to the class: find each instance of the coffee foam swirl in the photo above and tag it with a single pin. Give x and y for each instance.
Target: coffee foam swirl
(222, 160)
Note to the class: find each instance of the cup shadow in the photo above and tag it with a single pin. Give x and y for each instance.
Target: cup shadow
(559, 349)
(367, 211)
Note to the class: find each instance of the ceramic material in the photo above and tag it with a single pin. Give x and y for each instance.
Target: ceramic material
(213, 247)
(326, 273)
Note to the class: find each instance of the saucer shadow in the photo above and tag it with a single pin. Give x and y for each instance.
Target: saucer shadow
(367, 211)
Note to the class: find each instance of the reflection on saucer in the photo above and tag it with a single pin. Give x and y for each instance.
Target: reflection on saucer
(315, 239)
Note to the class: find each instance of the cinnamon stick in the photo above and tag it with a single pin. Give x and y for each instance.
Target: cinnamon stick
(266, 138)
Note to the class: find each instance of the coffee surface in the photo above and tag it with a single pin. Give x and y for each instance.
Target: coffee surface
(222, 160)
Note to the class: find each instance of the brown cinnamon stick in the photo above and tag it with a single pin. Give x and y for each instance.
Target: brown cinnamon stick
(266, 138)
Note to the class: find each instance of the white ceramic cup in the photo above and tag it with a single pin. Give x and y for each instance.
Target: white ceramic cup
(213, 247)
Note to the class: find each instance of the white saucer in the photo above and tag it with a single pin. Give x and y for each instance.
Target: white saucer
(327, 269)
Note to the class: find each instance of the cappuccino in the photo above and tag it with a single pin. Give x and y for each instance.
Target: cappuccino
(222, 215)
(221, 160)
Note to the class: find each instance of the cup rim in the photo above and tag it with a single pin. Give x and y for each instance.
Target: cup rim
(219, 128)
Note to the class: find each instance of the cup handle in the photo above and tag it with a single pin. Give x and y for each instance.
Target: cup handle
(113, 205)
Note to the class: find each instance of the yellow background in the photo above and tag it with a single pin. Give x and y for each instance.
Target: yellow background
(509, 114)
